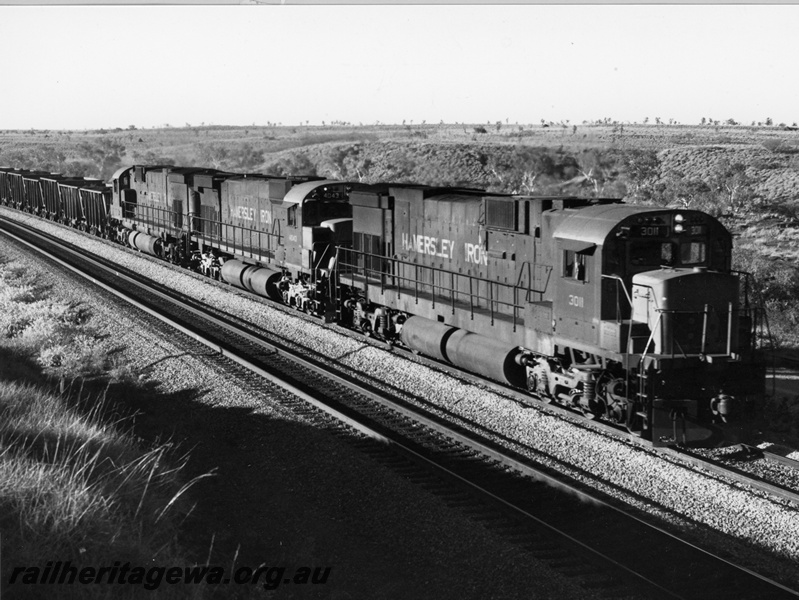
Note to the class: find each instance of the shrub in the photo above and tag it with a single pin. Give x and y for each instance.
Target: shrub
(294, 164)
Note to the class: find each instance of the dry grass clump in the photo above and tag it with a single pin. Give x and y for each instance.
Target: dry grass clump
(74, 485)
(54, 334)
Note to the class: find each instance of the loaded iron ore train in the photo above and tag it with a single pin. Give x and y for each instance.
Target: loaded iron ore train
(626, 313)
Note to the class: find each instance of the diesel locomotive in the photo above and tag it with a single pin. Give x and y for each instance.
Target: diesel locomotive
(626, 313)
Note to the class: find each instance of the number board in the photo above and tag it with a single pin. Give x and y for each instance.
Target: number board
(650, 231)
(696, 229)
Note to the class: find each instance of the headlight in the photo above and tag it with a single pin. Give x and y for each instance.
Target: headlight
(678, 218)
(678, 228)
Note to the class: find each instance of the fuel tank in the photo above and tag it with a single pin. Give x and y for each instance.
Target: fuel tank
(232, 272)
(477, 353)
(427, 337)
(259, 280)
(263, 281)
(145, 242)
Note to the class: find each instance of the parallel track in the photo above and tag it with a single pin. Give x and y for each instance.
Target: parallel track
(779, 458)
(541, 511)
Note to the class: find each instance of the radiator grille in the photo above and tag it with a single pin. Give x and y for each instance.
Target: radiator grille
(501, 215)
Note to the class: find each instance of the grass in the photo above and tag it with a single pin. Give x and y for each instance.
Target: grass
(75, 484)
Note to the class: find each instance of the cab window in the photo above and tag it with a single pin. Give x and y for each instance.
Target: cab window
(575, 265)
(693, 252)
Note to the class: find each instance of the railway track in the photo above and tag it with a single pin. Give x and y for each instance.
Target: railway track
(607, 547)
(704, 462)
(769, 454)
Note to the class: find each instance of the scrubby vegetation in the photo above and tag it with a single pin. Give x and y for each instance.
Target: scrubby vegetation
(74, 484)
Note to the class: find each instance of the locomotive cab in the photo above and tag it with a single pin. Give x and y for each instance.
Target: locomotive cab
(318, 216)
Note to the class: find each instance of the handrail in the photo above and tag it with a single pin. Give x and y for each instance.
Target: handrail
(651, 337)
(623, 286)
(443, 284)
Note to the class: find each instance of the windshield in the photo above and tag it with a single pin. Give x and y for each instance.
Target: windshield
(653, 253)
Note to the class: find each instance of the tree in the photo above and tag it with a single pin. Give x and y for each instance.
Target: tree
(400, 165)
(690, 191)
(642, 168)
(733, 185)
(597, 169)
(295, 164)
(357, 165)
(246, 158)
(519, 171)
(334, 162)
(106, 154)
(45, 158)
(212, 155)
(151, 157)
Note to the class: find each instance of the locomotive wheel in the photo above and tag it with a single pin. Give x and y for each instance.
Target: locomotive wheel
(536, 383)
(576, 399)
(615, 414)
(366, 328)
(593, 411)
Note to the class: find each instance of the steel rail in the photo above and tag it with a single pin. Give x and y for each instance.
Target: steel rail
(771, 456)
(729, 472)
(779, 458)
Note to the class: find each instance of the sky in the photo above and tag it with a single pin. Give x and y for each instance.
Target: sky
(90, 67)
